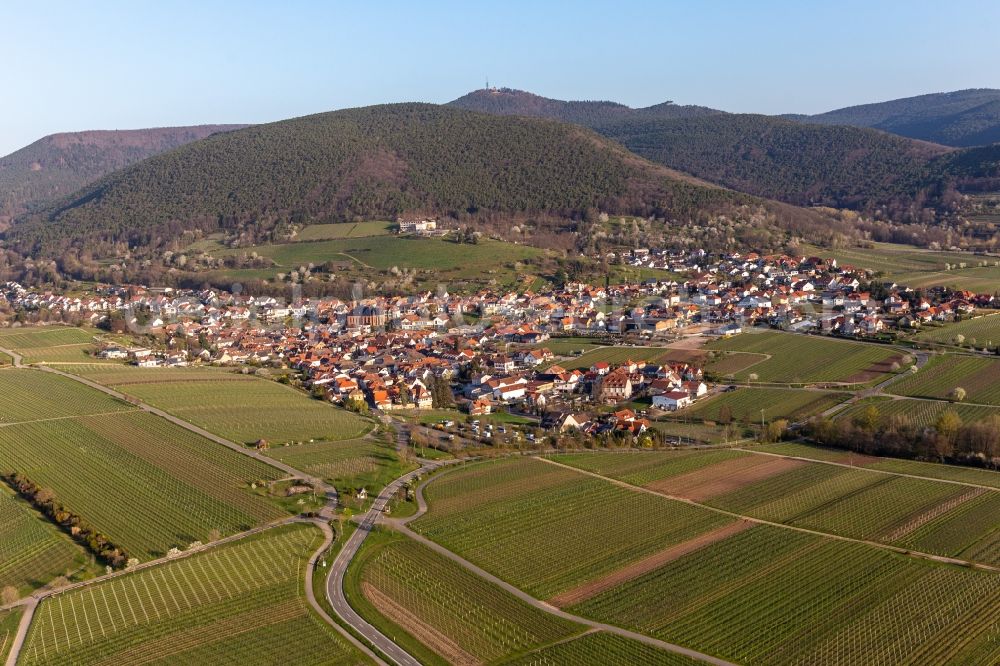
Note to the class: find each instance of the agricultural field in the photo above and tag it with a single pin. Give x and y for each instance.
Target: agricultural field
(241, 408)
(978, 375)
(239, 603)
(549, 530)
(46, 344)
(32, 551)
(745, 405)
(601, 649)
(615, 355)
(31, 395)
(699, 432)
(797, 359)
(146, 483)
(9, 621)
(978, 331)
(912, 467)
(441, 612)
(318, 232)
(916, 267)
(643, 467)
(347, 465)
(569, 346)
(921, 412)
(767, 595)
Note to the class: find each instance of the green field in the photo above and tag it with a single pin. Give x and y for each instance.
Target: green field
(799, 359)
(981, 331)
(441, 612)
(602, 649)
(143, 481)
(347, 465)
(32, 552)
(569, 346)
(44, 344)
(771, 596)
(916, 267)
(745, 404)
(241, 603)
(241, 408)
(643, 467)
(317, 232)
(921, 412)
(546, 529)
(978, 375)
(615, 355)
(924, 469)
(8, 628)
(31, 395)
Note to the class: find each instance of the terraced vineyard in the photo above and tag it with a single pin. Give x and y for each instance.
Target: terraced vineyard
(745, 404)
(976, 374)
(146, 483)
(241, 408)
(602, 649)
(240, 603)
(794, 359)
(32, 552)
(922, 412)
(30, 395)
(546, 529)
(439, 610)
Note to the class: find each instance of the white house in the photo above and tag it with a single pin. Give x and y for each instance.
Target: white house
(672, 401)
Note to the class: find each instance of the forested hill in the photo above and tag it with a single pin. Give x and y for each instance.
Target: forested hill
(506, 101)
(60, 164)
(366, 163)
(781, 159)
(961, 118)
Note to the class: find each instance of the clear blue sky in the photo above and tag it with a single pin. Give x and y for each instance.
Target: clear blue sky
(105, 65)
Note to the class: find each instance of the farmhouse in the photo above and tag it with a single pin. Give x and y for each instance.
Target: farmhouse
(672, 401)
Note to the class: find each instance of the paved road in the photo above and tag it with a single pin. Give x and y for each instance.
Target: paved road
(401, 526)
(22, 632)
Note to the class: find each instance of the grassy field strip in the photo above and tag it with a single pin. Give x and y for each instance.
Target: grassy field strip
(798, 528)
(978, 375)
(746, 404)
(600, 648)
(616, 355)
(235, 603)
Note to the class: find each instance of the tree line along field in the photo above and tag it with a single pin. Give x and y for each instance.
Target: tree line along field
(49, 343)
(233, 604)
(751, 593)
(146, 483)
(241, 408)
(924, 514)
(920, 412)
(979, 376)
(441, 612)
(32, 552)
(981, 331)
(744, 405)
(795, 359)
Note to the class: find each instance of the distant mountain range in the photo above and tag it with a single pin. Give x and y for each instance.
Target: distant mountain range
(963, 118)
(60, 164)
(368, 163)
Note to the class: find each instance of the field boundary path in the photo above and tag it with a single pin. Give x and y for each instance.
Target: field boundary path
(916, 554)
(400, 525)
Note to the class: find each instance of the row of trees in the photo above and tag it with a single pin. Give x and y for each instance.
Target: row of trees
(45, 501)
(949, 439)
